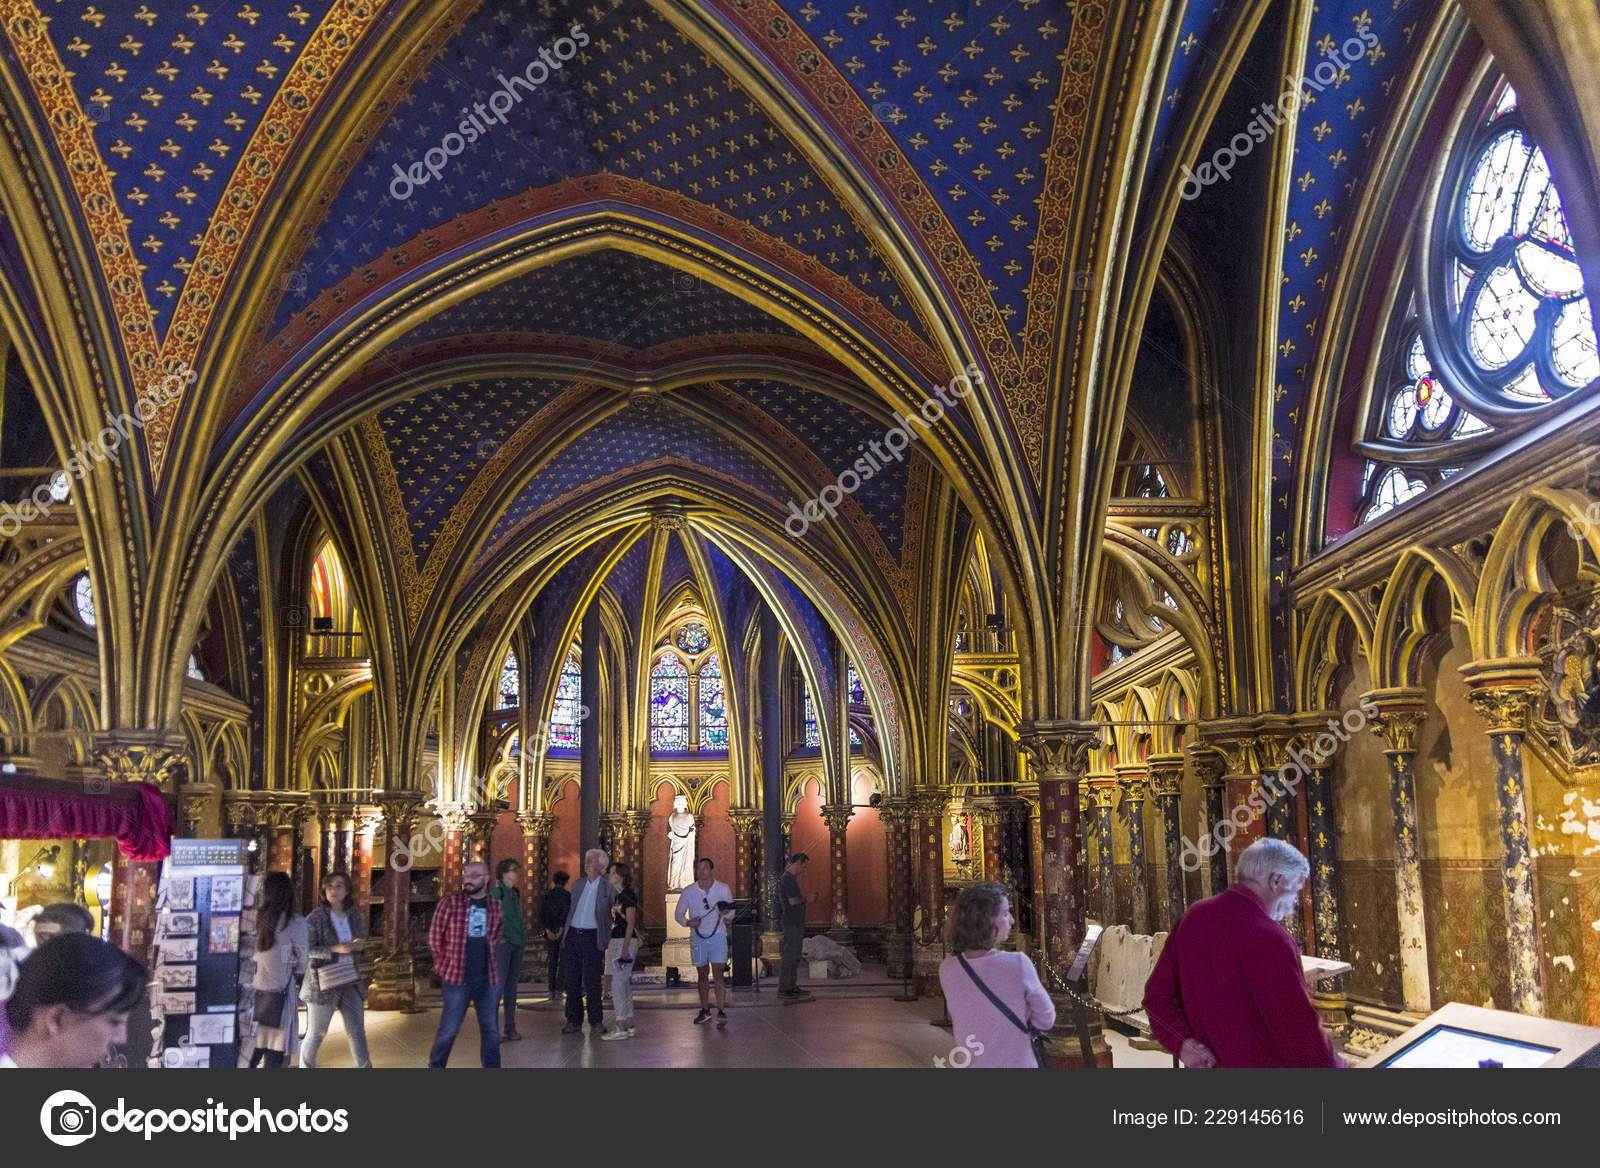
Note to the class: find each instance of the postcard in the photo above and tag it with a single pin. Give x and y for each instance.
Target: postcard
(176, 977)
(182, 924)
(177, 1003)
(180, 893)
(224, 935)
(227, 894)
(205, 1029)
(180, 948)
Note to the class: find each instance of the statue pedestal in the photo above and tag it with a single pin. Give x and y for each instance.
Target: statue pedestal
(675, 949)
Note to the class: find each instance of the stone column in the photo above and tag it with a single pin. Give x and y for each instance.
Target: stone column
(199, 804)
(455, 822)
(1502, 692)
(746, 823)
(1212, 770)
(928, 807)
(773, 750)
(1322, 836)
(1106, 795)
(393, 983)
(635, 826)
(536, 828)
(989, 816)
(837, 819)
(239, 813)
(1399, 715)
(1166, 778)
(1058, 753)
(896, 818)
(305, 875)
(368, 821)
(589, 744)
(1135, 789)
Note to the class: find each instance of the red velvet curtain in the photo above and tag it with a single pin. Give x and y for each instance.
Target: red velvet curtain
(134, 814)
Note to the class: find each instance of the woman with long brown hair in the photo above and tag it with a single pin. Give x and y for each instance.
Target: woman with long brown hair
(281, 944)
(333, 981)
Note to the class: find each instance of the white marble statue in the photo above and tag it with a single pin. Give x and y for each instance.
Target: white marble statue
(960, 849)
(680, 842)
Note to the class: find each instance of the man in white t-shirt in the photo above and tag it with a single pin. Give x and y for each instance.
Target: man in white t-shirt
(706, 907)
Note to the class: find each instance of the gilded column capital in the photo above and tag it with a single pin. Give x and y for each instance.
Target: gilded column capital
(745, 820)
(836, 817)
(156, 757)
(1058, 750)
(1105, 793)
(369, 820)
(1166, 773)
(895, 814)
(401, 810)
(929, 803)
(536, 823)
(991, 811)
(637, 822)
(1505, 691)
(1399, 716)
(194, 798)
(1135, 787)
(668, 517)
(238, 811)
(1210, 766)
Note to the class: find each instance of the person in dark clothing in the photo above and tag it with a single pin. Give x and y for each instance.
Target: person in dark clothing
(792, 903)
(513, 940)
(553, 909)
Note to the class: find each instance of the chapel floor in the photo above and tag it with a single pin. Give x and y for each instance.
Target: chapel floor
(851, 1023)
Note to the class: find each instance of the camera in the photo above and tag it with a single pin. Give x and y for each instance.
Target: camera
(724, 906)
(72, 1119)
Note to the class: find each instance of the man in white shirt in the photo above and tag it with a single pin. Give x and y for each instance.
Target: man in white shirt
(584, 941)
(706, 907)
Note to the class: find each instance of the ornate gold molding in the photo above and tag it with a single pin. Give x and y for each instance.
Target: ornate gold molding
(1059, 750)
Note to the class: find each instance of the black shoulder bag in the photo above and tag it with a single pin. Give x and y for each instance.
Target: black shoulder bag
(1035, 1037)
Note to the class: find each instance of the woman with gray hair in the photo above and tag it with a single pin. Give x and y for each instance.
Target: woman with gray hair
(1228, 990)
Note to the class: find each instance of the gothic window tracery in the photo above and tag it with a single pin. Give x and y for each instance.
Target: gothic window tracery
(669, 704)
(510, 681)
(1499, 327)
(713, 707)
(566, 715)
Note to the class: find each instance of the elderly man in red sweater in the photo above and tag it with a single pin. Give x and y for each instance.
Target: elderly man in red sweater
(1228, 991)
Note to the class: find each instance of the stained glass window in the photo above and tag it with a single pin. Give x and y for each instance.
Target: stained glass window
(566, 716)
(1509, 314)
(694, 638)
(813, 735)
(83, 598)
(669, 704)
(713, 707)
(510, 681)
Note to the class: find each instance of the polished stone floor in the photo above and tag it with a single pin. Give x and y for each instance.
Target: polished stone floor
(851, 1023)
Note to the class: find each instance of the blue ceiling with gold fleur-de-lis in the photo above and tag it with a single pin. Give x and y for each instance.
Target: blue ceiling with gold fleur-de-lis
(173, 91)
(439, 441)
(627, 579)
(1337, 128)
(638, 100)
(644, 433)
(837, 434)
(966, 89)
(609, 296)
(1194, 58)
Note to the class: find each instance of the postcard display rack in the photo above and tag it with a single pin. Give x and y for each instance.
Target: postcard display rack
(200, 992)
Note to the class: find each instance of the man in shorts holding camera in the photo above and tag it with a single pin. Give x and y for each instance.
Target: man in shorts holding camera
(705, 907)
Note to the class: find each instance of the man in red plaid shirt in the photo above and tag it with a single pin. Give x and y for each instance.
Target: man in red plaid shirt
(465, 930)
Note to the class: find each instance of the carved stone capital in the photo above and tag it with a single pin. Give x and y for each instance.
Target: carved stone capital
(836, 818)
(454, 817)
(1165, 772)
(895, 814)
(1135, 787)
(1059, 750)
(1210, 766)
(637, 823)
(400, 812)
(745, 820)
(667, 517)
(142, 756)
(929, 803)
(1399, 717)
(238, 811)
(536, 823)
(1105, 793)
(1505, 692)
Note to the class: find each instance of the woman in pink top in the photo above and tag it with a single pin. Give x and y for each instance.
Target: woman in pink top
(980, 921)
